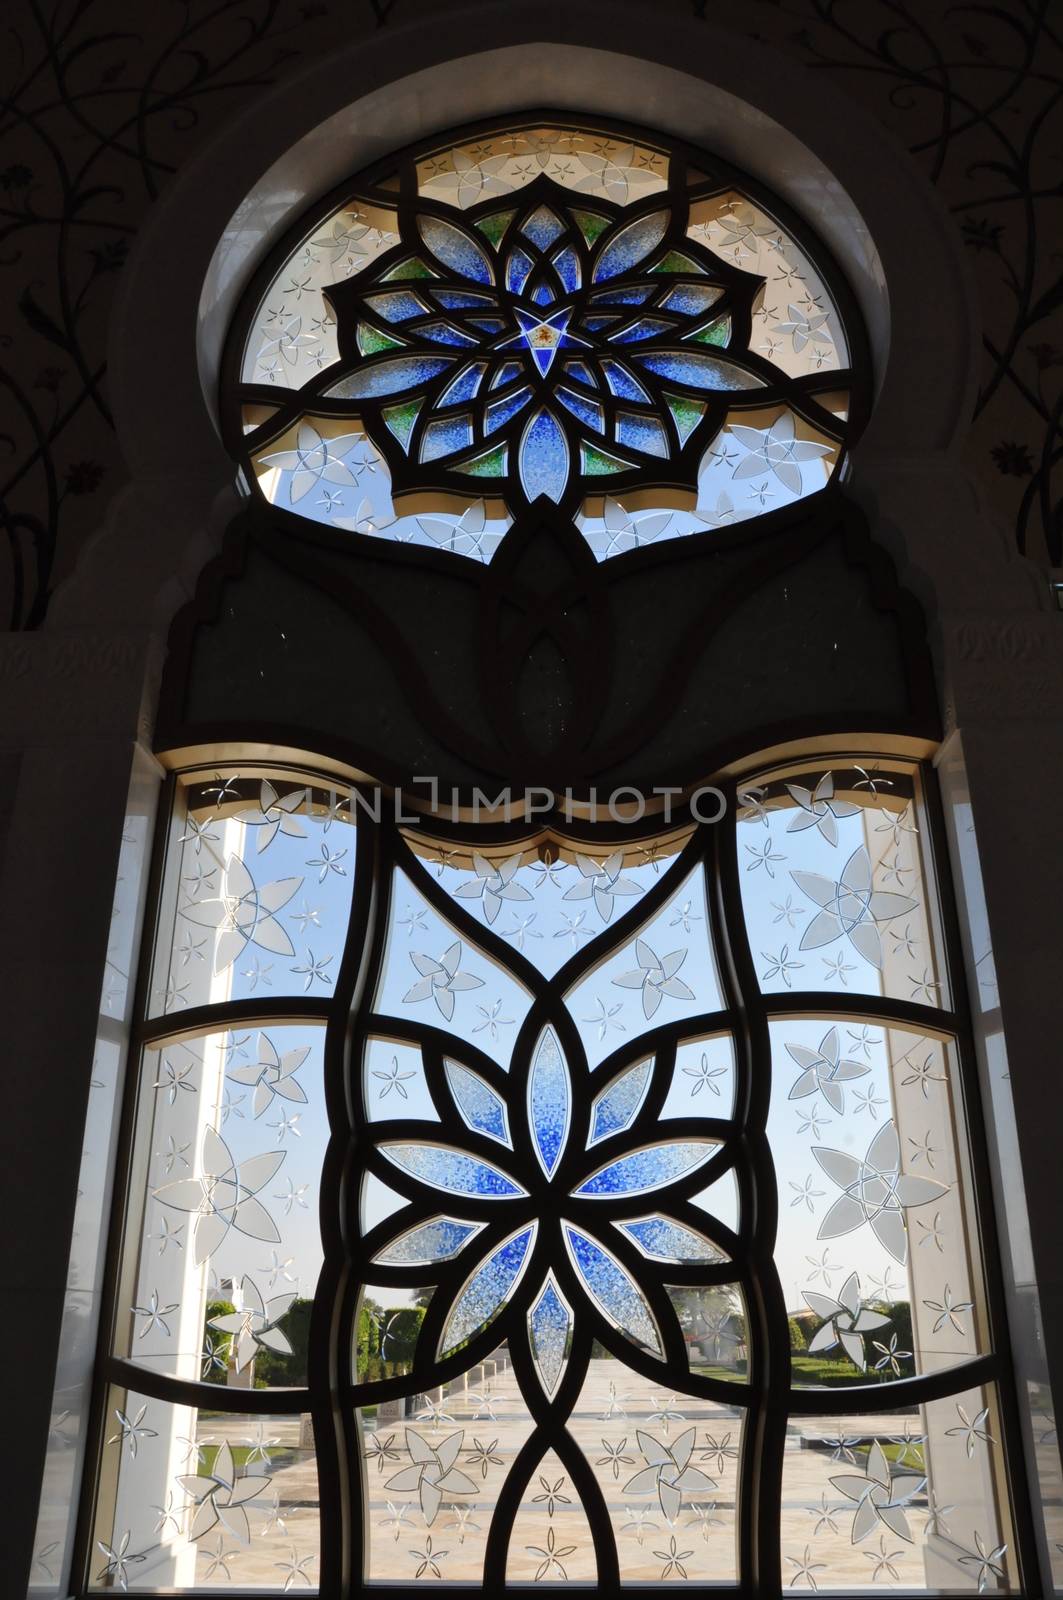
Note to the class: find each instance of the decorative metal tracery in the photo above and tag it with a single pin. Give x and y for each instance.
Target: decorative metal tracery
(648, 1232)
(549, 312)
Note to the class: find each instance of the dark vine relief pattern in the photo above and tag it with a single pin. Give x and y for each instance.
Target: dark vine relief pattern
(101, 102)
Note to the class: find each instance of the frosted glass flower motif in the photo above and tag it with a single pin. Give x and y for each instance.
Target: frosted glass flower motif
(119, 1559)
(823, 1071)
(440, 979)
(880, 1494)
(777, 452)
(987, 1562)
(224, 1196)
(492, 884)
(845, 1319)
(818, 807)
(221, 1495)
(804, 327)
(274, 814)
(850, 908)
(601, 881)
(272, 1074)
(254, 1324)
(875, 1191)
(315, 460)
(244, 914)
(655, 976)
(131, 1430)
(668, 1471)
(432, 1472)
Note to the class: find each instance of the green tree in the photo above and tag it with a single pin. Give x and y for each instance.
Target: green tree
(401, 1326)
(883, 1349)
(273, 1370)
(367, 1341)
(217, 1346)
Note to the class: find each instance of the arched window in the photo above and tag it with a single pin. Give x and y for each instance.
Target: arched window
(575, 1183)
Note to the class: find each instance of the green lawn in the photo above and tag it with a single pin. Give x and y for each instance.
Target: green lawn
(241, 1454)
(810, 1370)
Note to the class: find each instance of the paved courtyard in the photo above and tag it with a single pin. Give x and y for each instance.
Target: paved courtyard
(466, 1440)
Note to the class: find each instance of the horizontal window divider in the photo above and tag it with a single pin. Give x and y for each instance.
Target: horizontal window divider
(206, 1396)
(232, 1013)
(934, 1021)
(859, 1398)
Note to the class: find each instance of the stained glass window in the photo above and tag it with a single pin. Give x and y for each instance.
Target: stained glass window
(545, 315)
(568, 1204)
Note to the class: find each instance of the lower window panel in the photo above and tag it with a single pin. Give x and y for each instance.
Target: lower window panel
(618, 1199)
(192, 1498)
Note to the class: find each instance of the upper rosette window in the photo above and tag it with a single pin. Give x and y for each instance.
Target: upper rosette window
(544, 316)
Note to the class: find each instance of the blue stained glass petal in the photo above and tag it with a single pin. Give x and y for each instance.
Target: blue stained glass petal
(597, 323)
(623, 297)
(389, 377)
(460, 299)
(583, 374)
(488, 324)
(448, 1169)
(549, 1325)
(506, 372)
(690, 298)
(455, 249)
(544, 459)
(543, 295)
(588, 411)
(649, 1168)
(444, 333)
(442, 438)
(615, 1108)
(465, 385)
(642, 433)
(500, 411)
(542, 227)
(549, 1101)
(488, 1289)
(566, 265)
(396, 307)
(699, 371)
(622, 384)
(612, 1290)
(665, 1240)
(631, 245)
(645, 328)
(477, 1103)
(517, 269)
(430, 1242)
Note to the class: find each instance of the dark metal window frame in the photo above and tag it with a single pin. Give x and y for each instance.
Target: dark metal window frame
(332, 1394)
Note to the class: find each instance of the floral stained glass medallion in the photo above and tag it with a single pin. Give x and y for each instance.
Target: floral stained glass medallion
(552, 316)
